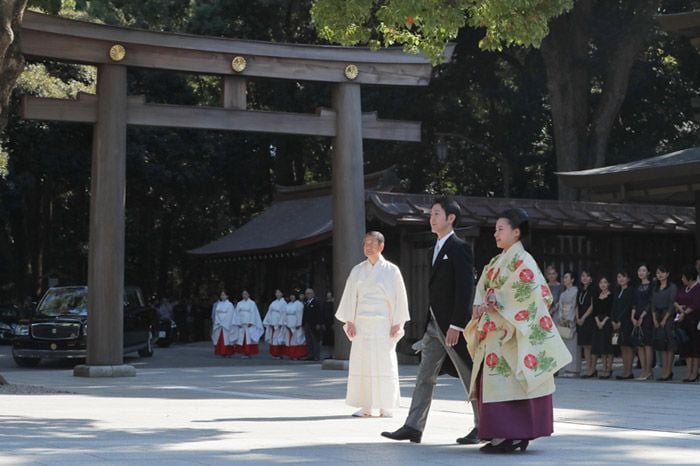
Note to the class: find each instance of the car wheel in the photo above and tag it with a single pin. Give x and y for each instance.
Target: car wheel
(147, 351)
(26, 362)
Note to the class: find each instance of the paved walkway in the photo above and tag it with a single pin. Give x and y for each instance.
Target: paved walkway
(186, 407)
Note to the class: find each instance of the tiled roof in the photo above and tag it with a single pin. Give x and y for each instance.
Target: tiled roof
(668, 179)
(290, 224)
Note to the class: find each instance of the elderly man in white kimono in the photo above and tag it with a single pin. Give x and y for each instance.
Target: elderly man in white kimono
(374, 307)
(247, 327)
(274, 334)
(222, 318)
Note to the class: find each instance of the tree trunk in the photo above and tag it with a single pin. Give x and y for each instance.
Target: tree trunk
(565, 54)
(11, 59)
(582, 133)
(618, 71)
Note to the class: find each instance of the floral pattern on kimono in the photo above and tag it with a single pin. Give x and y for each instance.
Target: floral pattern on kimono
(518, 344)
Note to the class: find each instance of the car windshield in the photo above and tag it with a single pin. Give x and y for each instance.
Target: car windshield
(64, 302)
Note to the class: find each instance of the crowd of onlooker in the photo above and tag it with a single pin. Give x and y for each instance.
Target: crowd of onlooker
(649, 315)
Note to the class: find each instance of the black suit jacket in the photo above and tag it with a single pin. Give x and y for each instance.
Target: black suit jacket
(313, 315)
(452, 284)
(451, 291)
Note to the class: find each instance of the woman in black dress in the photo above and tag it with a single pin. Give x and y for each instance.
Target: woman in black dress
(643, 323)
(584, 321)
(602, 333)
(621, 315)
(662, 313)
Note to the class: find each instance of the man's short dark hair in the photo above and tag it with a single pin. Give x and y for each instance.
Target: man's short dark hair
(450, 207)
(376, 235)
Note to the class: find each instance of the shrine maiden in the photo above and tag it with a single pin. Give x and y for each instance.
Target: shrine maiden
(292, 331)
(272, 322)
(247, 326)
(222, 318)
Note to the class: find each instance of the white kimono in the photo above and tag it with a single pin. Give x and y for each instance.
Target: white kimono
(293, 315)
(247, 326)
(374, 300)
(273, 320)
(222, 318)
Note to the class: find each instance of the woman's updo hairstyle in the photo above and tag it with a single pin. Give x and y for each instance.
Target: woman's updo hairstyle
(517, 218)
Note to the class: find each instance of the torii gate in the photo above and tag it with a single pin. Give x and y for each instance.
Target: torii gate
(112, 49)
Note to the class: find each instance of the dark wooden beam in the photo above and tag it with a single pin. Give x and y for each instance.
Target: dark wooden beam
(82, 42)
(84, 110)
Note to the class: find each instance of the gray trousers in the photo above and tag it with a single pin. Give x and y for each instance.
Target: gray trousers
(434, 351)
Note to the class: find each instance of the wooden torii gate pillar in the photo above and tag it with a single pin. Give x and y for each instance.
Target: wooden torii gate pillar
(113, 49)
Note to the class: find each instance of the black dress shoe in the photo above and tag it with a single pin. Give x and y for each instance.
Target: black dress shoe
(506, 446)
(624, 377)
(404, 433)
(472, 438)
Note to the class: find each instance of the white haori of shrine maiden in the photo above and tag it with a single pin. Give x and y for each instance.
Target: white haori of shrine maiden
(374, 300)
(247, 326)
(273, 321)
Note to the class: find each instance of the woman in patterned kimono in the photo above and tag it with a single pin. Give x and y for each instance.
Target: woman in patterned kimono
(514, 344)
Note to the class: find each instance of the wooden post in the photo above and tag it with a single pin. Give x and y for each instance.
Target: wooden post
(107, 203)
(348, 196)
(235, 92)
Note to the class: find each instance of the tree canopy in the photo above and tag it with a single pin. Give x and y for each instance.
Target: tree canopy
(426, 26)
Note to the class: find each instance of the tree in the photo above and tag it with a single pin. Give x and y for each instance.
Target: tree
(585, 104)
(425, 26)
(588, 52)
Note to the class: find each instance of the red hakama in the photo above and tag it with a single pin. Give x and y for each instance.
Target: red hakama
(222, 349)
(246, 349)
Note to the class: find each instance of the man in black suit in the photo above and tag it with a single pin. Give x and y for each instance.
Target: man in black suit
(443, 347)
(314, 325)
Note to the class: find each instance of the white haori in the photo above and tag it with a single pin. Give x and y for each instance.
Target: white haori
(246, 323)
(222, 318)
(293, 316)
(273, 320)
(374, 299)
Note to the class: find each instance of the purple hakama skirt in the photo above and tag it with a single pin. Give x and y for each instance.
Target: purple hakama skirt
(514, 420)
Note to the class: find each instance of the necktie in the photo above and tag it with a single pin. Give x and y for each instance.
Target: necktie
(435, 252)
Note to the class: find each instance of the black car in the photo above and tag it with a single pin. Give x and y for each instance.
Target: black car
(59, 327)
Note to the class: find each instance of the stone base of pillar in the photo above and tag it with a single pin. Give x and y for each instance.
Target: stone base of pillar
(121, 370)
(334, 365)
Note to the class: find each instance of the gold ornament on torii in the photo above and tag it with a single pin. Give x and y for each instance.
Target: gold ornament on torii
(238, 64)
(351, 72)
(117, 52)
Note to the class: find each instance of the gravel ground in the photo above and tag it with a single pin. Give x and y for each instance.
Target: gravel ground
(22, 389)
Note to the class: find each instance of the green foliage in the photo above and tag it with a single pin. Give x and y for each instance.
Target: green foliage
(38, 80)
(426, 26)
